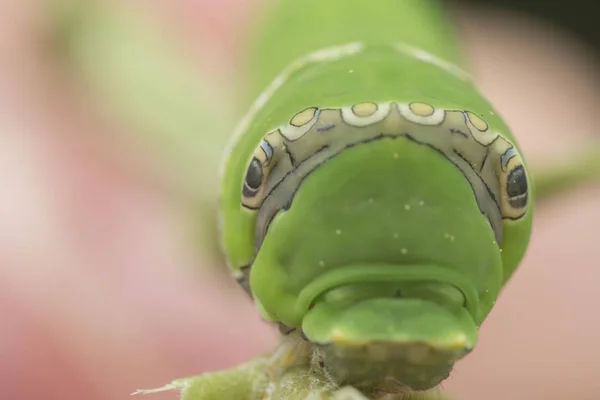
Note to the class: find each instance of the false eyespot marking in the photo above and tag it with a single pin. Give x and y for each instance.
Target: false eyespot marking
(422, 113)
(513, 181)
(364, 114)
(479, 129)
(300, 124)
(256, 175)
(516, 187)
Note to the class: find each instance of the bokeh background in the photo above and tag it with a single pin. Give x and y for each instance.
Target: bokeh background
(111, 121)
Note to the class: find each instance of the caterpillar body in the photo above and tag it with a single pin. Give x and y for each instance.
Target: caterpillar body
(372, 198)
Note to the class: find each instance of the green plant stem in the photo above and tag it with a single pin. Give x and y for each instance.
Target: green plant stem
(580, 169)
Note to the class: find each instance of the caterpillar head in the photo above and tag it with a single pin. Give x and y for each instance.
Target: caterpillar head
(385, 232)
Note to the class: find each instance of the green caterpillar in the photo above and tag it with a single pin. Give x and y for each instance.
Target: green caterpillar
(381, 44)
(373, 201)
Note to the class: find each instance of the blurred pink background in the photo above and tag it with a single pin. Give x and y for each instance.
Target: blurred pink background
(102, 292)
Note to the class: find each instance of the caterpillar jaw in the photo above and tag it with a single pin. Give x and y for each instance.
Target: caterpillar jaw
(373, 323)
(413, 341)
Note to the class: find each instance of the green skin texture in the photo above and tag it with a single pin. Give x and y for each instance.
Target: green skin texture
(332, 237)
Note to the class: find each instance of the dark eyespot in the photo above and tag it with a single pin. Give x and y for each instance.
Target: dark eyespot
(254, 177)
(516, 187)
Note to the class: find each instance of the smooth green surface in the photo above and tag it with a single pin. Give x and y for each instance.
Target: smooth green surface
(333, 200)
(286, 30)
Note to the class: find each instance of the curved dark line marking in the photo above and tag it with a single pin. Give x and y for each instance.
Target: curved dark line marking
(287, 206)
(460, 155)
(294, 164)
(494, 141)
(320, 150)
(519, 217)
(457, 131)
(408, 136)
(485, 158)
(479, 176)
(372, 139)
(381, 136)
(292, 158)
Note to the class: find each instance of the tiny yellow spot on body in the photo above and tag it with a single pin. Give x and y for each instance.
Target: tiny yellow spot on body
(396, 155)
(364, 109)
(407, 207)
(421, 203)
(403, 251)
(477, 122)
(371, 200)
(458, 342)
(322, 263)
(396, 236)
(303, 117)
(338, 231)
(421, 109)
